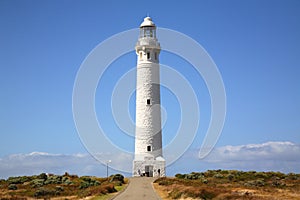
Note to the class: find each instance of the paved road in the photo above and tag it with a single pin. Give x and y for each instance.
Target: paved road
(139, 188)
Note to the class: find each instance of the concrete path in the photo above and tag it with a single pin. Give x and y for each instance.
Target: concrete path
(139, 188)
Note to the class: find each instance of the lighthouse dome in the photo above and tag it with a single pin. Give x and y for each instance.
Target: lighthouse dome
(147, 22)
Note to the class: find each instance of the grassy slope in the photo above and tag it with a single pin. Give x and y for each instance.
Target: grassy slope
(59, 187)
(230, 184)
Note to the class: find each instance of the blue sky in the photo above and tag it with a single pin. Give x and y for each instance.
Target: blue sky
(255, 45)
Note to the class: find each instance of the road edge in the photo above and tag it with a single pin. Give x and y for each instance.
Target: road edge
(157, 195)
(120, 192)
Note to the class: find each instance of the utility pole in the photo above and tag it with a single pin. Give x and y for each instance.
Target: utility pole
(109, 161)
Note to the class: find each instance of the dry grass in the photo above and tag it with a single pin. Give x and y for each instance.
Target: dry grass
(230, 185)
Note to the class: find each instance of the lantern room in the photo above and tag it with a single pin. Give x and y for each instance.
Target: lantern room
(147, 28)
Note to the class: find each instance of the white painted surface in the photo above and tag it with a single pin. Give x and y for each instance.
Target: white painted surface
(148, 115)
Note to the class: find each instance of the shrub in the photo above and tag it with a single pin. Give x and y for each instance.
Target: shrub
(188, 176)
(292, 176)
(84, 185)
(191, 176)
(278, 184)
(37, 183)
(64, 178)
(12, 186)
(44, 192)
(55, 179)
(164, 181)
(18, 180)
(110, 188)
(86, 178)
(262, 175)
(59, 188)
(256, 183)
(180, 176)
(42, 176)
(259, 183)
(95, 182)
(224, 172)
(117, 177)
(205, 181)
(68, 182)
(87, 182)
(14, 180)
(218, 176)
(230, 177)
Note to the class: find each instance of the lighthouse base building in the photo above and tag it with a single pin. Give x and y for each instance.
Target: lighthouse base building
(149, 166)
(148, 159)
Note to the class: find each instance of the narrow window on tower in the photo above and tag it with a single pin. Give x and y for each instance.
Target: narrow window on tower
(148, 55)
(155, 56)
(141, 55)
(148, 148)
(148, 102)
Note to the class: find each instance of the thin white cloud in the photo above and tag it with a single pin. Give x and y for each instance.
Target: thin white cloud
(38, 162)
(269, 156)
(280, 151)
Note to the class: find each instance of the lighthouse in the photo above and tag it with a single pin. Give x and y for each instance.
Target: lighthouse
(148, 158)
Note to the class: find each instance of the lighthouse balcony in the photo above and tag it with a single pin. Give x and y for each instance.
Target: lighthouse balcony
(147, 42)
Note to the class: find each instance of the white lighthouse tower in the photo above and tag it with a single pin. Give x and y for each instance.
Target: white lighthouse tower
(148, 160)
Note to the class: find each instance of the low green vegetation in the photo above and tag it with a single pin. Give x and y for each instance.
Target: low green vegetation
(231, 184)
(46, 186)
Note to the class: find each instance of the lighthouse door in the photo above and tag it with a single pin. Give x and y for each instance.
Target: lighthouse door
(149, 170)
